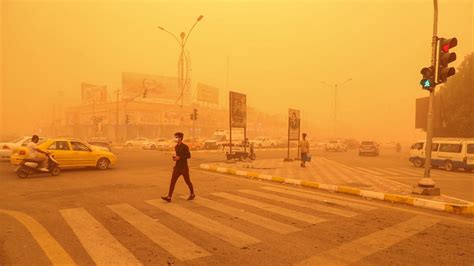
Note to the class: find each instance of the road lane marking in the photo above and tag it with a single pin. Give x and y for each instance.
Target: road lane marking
(271, 208)
(99, 243)
(228, 234)
(376, 204)
(175, 244)
(247, 216)
(308, 195)
(405, 171)
(351, 252)
(368, 170)
(385, 171)
(53, 250)
(299, 203)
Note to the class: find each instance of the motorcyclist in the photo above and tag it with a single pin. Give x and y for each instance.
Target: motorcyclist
(34, 153)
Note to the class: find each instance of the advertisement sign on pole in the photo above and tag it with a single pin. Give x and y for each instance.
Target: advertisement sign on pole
(92, 94)
(294, 124)
(237, 115)
(238, 110)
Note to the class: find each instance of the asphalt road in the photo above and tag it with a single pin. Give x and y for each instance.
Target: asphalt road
(114, 217)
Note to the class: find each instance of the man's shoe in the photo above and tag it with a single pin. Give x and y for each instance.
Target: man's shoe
(168, 199)
(191, 197)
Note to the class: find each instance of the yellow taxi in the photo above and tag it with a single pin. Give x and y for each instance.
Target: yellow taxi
(71, 153)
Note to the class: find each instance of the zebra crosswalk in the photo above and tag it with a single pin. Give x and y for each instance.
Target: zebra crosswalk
(276, 209)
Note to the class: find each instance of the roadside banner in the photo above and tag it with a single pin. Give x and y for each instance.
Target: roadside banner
(294, 124)
(93, 93)
(238, 110)
(207, 94)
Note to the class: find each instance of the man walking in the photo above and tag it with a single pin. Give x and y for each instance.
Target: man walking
(181, 157)
(304, 148)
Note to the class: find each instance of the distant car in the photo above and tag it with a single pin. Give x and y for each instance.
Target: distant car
(70, 153)
(6, 148)
(136, 142)
(154, 144)
(263, 142)
(195, 144)
(369, 148)
(336, 145)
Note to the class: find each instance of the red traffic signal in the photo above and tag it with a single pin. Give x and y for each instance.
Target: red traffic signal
(444, 58)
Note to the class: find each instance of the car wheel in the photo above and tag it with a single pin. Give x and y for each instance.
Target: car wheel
(153, 147)
(55, 171)
(129, 145)
(360, 153)
(22, 172)
(260, 146)
(417, 162)
(448, 166)
(103, 164)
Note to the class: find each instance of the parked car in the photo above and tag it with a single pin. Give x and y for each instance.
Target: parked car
(70, 153)
(450, 153)
(6, 148)
(369, 148)
(136, 142)
(264, 142)
(336, 145)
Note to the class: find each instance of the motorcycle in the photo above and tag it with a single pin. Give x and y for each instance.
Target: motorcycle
(29, 167)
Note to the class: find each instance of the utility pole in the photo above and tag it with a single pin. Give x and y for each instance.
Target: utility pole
(335, 86)
(117, 118)
(182, 79)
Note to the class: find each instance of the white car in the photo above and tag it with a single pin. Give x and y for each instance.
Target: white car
(136, 142)
(264, 142)
(156, 144)
(6, 148)
(336, 145)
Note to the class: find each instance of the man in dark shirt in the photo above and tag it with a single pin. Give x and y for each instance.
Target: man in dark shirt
(181, 157)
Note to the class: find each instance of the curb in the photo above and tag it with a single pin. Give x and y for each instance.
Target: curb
(422, 203)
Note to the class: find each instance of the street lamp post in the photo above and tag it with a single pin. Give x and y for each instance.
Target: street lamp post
(335, 86)
(183, 76)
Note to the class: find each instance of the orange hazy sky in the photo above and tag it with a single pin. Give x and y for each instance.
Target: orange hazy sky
(279, 52)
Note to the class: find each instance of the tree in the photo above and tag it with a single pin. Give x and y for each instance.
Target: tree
(457, 101)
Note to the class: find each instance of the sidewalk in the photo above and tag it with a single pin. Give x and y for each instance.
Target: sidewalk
(326, 174)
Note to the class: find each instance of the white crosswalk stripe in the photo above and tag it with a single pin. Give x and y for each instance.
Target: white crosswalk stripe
(350, 253)
(385, 171)
(271, 208)
(313, 196)
(210, 226)
(368, 170)
(99, 243)
(172, 242)
(309, 205)
(247, 216)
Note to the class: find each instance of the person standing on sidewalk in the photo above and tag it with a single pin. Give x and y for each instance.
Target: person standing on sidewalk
(181, 157)
(304, 148)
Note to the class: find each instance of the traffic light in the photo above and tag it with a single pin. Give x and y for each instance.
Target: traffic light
(127, 120)
(427, 83)
(444, 58)
(192, 116)
(145, 91)
(195, 113)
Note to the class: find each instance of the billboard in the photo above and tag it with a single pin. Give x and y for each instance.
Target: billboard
(238, 109)
(207, 93)
(160, 88)
(171, 118)
(93, 93)
(294, 124)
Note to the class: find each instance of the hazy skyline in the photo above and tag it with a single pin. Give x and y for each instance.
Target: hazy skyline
(279, 52)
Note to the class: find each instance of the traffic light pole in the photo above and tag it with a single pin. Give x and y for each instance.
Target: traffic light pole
(426, 185)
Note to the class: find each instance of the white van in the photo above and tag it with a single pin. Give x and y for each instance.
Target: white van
(449, 153)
